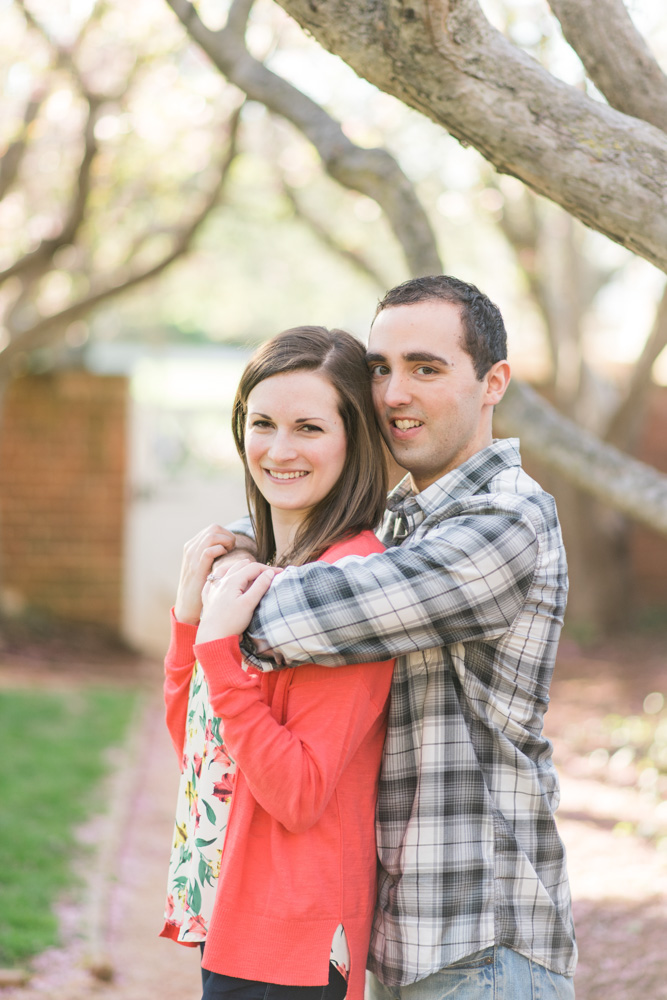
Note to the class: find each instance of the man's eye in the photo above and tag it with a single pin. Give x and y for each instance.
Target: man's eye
(425, 370)
(377, 371)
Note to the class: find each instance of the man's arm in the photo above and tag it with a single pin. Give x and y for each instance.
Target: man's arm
(467, 579)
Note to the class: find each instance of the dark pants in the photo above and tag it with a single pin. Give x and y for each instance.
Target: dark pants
(217, 985)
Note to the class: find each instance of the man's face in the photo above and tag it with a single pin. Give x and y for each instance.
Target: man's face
(433, 411)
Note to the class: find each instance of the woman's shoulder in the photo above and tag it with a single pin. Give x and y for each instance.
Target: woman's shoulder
(363, 544)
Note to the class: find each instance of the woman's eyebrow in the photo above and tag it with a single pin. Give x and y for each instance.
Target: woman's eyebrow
(299, 420)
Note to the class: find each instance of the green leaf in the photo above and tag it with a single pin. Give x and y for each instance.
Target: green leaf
(205, 843)
(195, 897)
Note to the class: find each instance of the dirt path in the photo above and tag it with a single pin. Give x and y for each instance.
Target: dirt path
(619, 877)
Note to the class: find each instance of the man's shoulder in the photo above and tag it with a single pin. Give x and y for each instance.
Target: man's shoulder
(510, 493)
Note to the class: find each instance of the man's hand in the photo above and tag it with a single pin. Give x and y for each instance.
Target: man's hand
(230, 600)
(199, 554)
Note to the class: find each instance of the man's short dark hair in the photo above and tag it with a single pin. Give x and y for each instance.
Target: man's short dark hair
(484, 334)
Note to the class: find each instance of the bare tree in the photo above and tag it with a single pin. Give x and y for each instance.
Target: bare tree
(30, 325)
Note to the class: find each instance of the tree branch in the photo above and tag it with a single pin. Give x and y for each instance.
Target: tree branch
(31, 265)
(443, 58)
(237, 19)
(372, 172)
(629, 486)
(616, 57)
(11, 159)
(48, 329)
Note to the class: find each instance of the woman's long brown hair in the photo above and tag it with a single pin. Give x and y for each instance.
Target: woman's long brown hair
(357, 500)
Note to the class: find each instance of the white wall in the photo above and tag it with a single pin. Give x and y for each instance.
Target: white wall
(183, 473)
(158, 525)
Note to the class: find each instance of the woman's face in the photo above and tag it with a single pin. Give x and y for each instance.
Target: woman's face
(294, 440)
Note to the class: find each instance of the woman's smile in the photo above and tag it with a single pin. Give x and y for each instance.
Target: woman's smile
(286, 475)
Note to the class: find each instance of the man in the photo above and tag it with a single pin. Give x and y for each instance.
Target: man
(473, 898)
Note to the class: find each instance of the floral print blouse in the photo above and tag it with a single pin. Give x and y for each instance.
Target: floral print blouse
(202, 813)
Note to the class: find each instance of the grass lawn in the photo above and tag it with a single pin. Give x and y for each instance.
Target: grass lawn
(52, 753)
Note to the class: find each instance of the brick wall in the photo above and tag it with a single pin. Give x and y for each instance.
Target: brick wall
(62, 494)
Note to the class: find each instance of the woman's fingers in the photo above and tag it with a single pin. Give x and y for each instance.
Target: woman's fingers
(241, 574)
(259, 587)
(199, 554)
(229, 601)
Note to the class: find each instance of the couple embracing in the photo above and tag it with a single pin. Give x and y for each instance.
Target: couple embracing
(358, 710)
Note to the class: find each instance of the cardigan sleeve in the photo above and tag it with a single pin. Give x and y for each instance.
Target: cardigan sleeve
(292, 768)
(178, 666)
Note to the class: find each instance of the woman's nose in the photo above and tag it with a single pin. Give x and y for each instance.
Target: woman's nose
(282, 448)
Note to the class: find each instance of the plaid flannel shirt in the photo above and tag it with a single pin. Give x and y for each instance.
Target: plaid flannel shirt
(469, 597)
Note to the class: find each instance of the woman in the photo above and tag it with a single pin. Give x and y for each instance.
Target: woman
(295, 896)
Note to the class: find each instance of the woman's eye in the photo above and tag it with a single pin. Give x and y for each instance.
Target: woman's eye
(310, 427)
(260, 423)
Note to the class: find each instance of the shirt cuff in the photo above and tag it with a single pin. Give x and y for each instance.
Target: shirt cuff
(183, 638)
(222, 662)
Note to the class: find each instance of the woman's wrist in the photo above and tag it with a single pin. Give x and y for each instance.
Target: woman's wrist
(185, 617)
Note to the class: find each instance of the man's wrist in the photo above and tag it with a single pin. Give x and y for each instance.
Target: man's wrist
(245, 544)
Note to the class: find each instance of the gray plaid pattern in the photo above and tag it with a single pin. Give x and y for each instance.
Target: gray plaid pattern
(471, 603)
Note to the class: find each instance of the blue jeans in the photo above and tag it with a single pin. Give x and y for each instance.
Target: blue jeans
(493, 974)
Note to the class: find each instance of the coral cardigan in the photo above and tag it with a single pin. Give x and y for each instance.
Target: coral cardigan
(299, 854)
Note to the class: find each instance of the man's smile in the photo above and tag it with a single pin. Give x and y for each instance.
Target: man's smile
(405, 423)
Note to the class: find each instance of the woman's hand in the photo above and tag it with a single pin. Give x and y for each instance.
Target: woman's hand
(229, 601)
(199, 555)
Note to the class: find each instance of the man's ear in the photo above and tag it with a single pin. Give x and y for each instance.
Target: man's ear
(497, 379)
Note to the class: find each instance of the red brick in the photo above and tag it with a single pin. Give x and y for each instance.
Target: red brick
(62, 489)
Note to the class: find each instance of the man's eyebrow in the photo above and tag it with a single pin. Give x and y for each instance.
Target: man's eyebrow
(373, 358)
(427, 356)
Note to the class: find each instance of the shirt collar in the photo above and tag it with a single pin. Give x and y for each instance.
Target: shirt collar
(465, 480)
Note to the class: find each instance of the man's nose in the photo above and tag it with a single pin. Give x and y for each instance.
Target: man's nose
(396, 391)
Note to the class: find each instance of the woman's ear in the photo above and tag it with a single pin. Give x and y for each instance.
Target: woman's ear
(497, 379)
